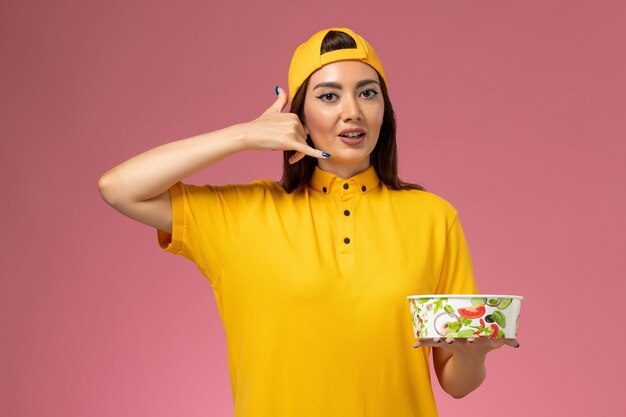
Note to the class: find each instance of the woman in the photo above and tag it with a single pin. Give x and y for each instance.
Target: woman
(311, 274)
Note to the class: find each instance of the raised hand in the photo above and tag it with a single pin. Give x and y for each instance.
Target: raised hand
(279, 131)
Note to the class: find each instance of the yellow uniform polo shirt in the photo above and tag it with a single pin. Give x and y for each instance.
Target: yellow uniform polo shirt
(311, 288)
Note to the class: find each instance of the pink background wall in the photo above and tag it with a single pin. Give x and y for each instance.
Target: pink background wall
(513, 111)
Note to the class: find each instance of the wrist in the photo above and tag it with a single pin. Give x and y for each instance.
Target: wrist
(235, 138)
(468, 359)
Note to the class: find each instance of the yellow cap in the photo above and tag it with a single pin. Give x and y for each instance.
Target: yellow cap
(307, 58)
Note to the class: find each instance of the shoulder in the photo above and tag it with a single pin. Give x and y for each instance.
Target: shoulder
(422, 201)
(225, 194)
(268, 185)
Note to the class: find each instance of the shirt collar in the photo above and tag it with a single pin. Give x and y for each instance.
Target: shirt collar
(327, 183)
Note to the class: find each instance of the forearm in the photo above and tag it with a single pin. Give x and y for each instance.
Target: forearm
(462, 373)
(153, 172)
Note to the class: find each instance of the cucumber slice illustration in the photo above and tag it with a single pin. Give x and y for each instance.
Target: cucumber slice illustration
(492, 302)
(478, 301)
(504, 303)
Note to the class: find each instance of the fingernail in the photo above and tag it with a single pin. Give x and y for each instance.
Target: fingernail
(516, 346)
(277, 90)
(470, 341)
(451, 341)
(325, 155)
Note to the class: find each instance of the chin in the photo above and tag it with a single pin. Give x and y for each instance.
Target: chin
(352, 155)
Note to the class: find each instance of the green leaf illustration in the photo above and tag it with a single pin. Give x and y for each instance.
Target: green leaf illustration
(499, 317)
(466, 333)
(454, 326)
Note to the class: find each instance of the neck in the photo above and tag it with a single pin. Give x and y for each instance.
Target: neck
(344, 171)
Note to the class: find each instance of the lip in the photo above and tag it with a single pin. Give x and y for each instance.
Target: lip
(352, 130)
(352, 141)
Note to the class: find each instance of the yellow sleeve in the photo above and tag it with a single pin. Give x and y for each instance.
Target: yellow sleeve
(457, 274)
(206, 222)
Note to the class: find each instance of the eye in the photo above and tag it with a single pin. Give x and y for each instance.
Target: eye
(327, 97)
(369, 93)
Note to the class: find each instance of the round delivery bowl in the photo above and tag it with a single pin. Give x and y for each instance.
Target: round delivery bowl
(465, 315)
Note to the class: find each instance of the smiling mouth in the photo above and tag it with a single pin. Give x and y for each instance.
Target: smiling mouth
(353, 135)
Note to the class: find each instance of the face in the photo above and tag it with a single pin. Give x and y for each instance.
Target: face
(343, 113)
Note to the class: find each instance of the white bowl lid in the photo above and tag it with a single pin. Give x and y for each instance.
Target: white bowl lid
(519, 297)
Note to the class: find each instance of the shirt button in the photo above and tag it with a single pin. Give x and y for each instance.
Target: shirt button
(346, 186)
(346, 240)
(324, 189)
(363, 188)
(346, 212)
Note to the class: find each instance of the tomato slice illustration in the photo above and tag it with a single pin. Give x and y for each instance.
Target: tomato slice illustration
(472, 312)
(494, 330)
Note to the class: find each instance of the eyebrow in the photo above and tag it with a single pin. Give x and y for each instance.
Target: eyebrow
(338, 86)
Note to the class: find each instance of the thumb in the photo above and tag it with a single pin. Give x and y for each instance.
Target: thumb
(279, 104)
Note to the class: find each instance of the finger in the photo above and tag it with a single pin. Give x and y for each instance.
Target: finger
(449, 340)
(512, 342)
(307, 150)
(498, 343)
(279, 104)
(296, 157)
(471, 340)
(302, 131)
(426, 342)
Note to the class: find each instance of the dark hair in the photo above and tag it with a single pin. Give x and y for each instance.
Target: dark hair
(384, 157)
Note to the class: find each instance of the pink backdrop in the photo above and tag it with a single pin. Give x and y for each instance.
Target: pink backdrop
(513, 111)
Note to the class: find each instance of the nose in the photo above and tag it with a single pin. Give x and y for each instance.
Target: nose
(350, 108)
